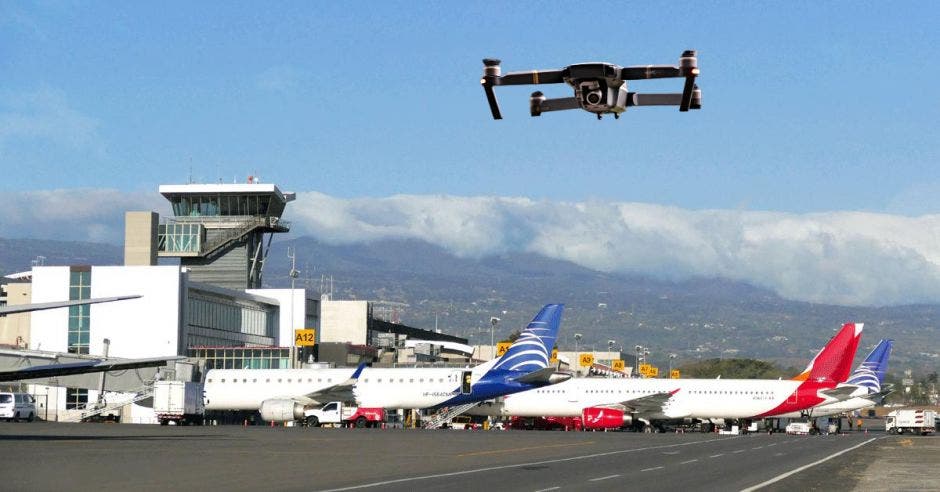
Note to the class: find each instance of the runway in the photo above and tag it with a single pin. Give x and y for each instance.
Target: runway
(44, 456)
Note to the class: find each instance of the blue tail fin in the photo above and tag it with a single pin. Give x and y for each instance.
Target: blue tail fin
(871, 372)
(533, 349)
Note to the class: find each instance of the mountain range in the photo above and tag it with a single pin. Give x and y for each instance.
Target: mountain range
(427, 287)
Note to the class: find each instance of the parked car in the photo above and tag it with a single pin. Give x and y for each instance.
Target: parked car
(16, 406)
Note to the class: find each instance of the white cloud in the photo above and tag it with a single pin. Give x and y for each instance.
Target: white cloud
(849, 258)
(76, 214)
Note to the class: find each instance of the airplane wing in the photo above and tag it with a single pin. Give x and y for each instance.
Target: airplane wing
(83, 367)
(839, 393)
(648, 404)
(338, 392)
(40, 306)
(548, 375)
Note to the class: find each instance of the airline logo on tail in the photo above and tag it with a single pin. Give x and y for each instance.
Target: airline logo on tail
(830, 364)
(830, 367)
(871, 372)
(532, 350)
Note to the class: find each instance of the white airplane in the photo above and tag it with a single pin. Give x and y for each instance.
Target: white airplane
(284, 394)
(865, 382)
(644, 401)
(71, 368)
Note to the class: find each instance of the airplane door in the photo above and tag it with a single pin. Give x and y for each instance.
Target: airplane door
(792, 399)
(465, 383)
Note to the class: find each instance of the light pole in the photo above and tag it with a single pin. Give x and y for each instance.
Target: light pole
(671, 357)
(636, 361)
(493, 322)
(577, 341)
(610, 349)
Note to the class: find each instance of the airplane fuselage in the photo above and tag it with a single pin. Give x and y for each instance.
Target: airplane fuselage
(696, 398)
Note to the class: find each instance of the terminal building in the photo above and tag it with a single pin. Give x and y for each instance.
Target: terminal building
(199, 274)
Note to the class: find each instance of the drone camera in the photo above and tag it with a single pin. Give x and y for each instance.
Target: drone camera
(592, 94)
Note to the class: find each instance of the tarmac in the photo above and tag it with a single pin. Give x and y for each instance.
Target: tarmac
(50, 456)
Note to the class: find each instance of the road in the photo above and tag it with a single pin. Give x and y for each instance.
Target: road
(46, 456)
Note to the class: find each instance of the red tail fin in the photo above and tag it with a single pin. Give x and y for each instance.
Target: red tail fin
(834, 362)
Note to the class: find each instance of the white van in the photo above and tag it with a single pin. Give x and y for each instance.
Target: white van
(16, 406)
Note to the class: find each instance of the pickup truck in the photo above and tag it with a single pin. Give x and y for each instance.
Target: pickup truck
(340, 415)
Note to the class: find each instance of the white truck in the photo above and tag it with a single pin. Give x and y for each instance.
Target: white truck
(337, 414)
(911, 421)
(179, 402)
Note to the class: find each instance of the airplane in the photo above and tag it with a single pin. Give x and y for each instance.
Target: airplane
(72, 368)
(284, 394)
(599, 88)
(865, 384)
(643, 402)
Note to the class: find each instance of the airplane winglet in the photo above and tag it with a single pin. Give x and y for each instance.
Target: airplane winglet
(355, 375)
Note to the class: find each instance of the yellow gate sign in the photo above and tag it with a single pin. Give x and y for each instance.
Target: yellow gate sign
(645, 369)
(586, 360)
(554, 359)
(674, 374)
(654, 372)
(617, 365)
(502, 347)
(305, 338)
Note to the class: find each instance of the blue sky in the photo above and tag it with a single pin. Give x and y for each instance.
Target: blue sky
(809, 110)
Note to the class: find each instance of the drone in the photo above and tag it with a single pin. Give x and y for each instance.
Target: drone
(599, 88)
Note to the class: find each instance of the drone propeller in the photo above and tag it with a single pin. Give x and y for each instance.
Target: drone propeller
(688, 65)
(492, 78)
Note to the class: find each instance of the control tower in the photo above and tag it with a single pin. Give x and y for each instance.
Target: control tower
(217, 230)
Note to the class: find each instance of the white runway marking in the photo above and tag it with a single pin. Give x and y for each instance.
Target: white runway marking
(797, 470)
(608, 477)
(739, 451)
(716, 455)
(518, 465)
(546, 490)
(687, 462)
(758, 447)
(651, 469)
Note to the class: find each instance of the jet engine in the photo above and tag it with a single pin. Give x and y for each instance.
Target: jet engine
(282, 410)
(605, 418)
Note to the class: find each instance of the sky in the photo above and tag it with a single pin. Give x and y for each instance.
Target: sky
(810, 169)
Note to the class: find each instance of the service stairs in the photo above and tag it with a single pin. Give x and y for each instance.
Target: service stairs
(446, 414)
(90, 409)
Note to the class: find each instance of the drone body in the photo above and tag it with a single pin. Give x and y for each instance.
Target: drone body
(599, 88)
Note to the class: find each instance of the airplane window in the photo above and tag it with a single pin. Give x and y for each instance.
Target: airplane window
(411, 380)
(366, 380)
(319, 380)
(254, 380)
(441, 380)
(279, 380)
(210, 380)
(223, 380)
(421, 380)
(244, 380)
(267, 380)
(288, 380)
(329, 380)
(401, 380)
(234, 380)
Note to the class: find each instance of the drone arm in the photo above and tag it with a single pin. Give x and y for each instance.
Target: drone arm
(650, 72)
(531, 77)
(673, 99)
(538, 104)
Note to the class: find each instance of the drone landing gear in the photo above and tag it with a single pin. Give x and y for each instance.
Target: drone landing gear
(616, 116)
(599, 117)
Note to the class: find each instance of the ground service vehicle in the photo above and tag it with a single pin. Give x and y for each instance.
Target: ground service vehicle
(16, 406)
(179, 402)
(911, 421)
(337, 413)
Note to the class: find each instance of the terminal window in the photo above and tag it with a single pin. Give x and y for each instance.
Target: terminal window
(79, 316)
